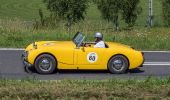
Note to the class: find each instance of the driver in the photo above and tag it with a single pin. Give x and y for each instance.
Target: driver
(99, 40)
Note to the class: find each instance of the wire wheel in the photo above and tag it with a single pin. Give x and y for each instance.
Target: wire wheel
(45, 64)
(118, 64)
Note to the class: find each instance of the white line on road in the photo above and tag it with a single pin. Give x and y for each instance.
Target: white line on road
(146, 63)
(156, 51)
(157, 63)
(142, 51)
(11, 49)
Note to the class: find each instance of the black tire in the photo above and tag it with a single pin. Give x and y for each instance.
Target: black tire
(118, 64)
(45, 64)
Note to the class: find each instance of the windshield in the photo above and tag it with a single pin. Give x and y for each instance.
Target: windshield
(78, 39)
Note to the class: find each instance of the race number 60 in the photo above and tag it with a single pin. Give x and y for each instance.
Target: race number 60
(92, 57)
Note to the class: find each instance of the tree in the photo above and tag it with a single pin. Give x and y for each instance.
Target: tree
(166, 12)
(130, 11)
(110, 10)
(72, 11)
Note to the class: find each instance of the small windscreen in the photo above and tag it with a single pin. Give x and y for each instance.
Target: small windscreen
(78, 38)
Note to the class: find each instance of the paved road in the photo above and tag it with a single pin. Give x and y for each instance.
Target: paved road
(156, 64)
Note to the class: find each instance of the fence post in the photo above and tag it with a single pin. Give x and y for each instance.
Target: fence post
(150, 13)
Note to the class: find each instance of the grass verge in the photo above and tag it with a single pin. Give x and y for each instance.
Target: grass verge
(17, 19)
(18, 34)
(149, 88)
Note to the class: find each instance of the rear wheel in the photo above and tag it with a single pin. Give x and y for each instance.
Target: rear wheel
(118, 64)
(45, 64)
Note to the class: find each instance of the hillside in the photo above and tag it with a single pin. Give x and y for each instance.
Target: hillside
(28, 10)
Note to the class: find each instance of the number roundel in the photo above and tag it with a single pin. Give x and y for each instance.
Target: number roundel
(92, 57)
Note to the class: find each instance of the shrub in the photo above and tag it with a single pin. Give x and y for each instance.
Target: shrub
(166, 12)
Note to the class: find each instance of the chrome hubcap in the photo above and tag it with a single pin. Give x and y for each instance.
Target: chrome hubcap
(45, 64)
(118, 64)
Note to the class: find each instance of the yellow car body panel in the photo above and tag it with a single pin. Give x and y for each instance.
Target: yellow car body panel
(62, 51)
(70, 57)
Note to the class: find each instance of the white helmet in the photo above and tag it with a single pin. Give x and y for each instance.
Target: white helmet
(98, 35)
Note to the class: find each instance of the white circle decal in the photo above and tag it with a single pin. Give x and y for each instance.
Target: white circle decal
(92, 57)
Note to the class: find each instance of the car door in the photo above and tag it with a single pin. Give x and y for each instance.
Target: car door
(89, 57)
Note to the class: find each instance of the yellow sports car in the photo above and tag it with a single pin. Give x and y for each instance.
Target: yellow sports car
(47, 56)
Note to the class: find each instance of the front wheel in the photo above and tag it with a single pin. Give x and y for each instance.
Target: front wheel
(45, 64)
(118, 64)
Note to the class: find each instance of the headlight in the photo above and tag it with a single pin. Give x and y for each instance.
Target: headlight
(34, 45)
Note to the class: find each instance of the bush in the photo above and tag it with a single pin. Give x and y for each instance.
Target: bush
(130, 11)
(110, 10)
(166, 12)
(72, 11)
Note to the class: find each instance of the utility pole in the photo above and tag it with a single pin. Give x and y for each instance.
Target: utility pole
(150, 13)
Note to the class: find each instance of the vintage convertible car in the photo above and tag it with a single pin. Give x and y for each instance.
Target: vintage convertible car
(47, 56)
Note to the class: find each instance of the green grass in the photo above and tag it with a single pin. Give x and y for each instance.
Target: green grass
(15, 33)
(28, 10)
(149, 88)
(22, 9)
(17, 18)
(16, 30)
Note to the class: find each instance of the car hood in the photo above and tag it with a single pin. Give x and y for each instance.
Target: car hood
(42, 44)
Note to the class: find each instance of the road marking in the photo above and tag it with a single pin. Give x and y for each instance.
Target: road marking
(142, 51)
(12, 49)
(157, 63)
(156, 51)
(146, 63)
(24, 49)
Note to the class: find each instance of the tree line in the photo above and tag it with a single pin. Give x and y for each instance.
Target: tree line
(73, 11)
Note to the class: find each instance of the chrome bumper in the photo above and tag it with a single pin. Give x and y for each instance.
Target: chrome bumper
(25, 62)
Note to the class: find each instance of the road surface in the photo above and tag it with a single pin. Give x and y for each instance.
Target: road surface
(156, 64)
